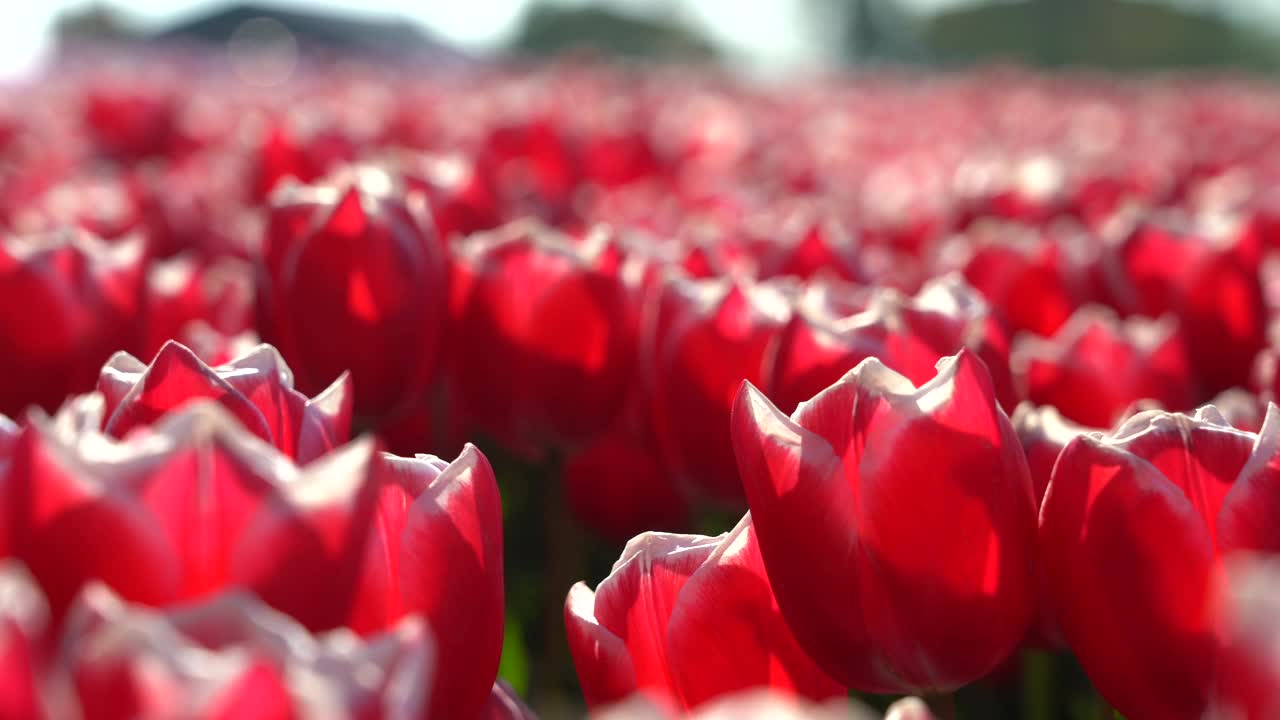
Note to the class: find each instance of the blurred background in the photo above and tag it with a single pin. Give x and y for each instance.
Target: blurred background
(763, 37)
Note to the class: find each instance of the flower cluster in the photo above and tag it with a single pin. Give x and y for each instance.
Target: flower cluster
(959, 368)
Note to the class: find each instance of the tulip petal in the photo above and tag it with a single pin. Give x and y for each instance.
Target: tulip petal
(802, 511)
(1250, 515)
(604, 666)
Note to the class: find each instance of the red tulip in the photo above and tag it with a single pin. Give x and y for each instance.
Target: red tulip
(690, 618)
(350, 279)
(806, 246)
(1023, 274)
(231, 656)
(284, 154)
(1133, 532)
(131, 123)
(1097, 366)
(1043, 433)
(1213, 286)
(198, 505)
(435, 548)
(78, 300)
(858, 501)
(184, 291)
(531, 162)
(257, 388)
(461, 198)
(909, 335)
(616, 487)
(701, 339)
(543, 336)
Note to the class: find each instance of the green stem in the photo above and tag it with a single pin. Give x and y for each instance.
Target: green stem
(1037, 686)
(566, 565)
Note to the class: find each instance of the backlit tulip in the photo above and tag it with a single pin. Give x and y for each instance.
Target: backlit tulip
(257, 388)
(197, 505)
(689, 618)
(351, 279)
(542, 335)
(72, 300)
(897, 524)
(1097, 366)
(701, 339)
(1133, 532)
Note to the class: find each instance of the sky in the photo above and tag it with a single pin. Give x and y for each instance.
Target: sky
(761, 33)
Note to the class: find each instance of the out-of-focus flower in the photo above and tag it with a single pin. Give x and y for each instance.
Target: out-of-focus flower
(223, 657)
(543, 340)
(232, 655)
(617, 487)
(71, 302)
(351, 278)
(700, 340)
(197, 505)
(690, 618)
(907, 334)
(1134, 529)
(131, 122)
(858, 500)
(1213, 286)
(1097, 366)
(257, 388)
(186, 296)
(1024, 274)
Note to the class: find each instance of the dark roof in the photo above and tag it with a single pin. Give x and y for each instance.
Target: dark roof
(313, 30)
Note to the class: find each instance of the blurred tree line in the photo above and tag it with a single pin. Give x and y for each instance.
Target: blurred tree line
(1107, 34)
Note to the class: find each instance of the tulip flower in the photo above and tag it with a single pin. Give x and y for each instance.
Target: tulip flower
(689, 618)
(1043, 433)
(896, 523)
(1024, 274)
(1097, 366)
(700, 340)
(1211, 283)
(542, 337)
(805, 247)
(257, 388)
(351, 279)
(198, 505)
(231, 655)
(223, 657)
(1134, 531)
(78, 297)
(908, 334)
(183, 291)
(616, 487)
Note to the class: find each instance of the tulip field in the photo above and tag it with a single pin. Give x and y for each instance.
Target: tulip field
(637, 393)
